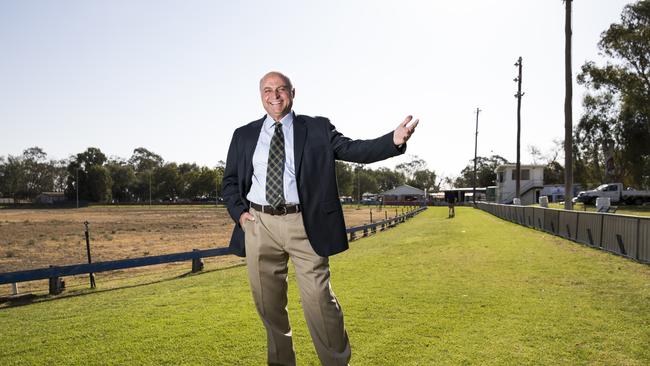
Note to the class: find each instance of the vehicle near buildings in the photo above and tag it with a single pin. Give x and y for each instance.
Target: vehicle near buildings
(616, 194)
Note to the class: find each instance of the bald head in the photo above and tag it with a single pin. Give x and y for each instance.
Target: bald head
(276, 74)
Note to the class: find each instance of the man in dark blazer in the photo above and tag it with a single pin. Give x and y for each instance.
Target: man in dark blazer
(280, 189)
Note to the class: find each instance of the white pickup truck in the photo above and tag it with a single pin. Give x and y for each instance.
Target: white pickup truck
(616, 193)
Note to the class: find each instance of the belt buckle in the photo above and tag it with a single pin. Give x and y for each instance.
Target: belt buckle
(283, 209)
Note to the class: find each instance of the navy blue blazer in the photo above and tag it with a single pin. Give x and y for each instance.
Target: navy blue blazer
(317, 145)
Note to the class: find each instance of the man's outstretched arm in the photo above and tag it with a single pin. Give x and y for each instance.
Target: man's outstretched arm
(369, 151)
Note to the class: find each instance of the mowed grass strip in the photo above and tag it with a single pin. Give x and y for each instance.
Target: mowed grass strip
(630, 210)
(469, 290)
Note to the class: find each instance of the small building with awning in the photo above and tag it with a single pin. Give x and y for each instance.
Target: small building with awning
(467, 194)
(403, 193)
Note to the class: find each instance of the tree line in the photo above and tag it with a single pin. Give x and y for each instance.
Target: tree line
(613, 135)
(146, 175)
(96, 178)
(356, 179)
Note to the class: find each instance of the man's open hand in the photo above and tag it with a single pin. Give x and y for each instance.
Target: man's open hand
(403, 132)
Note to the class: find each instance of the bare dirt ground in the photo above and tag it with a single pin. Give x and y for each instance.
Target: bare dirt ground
(37, 238)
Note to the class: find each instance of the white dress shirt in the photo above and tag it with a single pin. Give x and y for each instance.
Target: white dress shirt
(257, 194)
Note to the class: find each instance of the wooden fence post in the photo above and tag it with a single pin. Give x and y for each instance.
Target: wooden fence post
(87, 233)
(577, 225)
(197, 263)
(56, 284)
(602, 224)
(638, 237)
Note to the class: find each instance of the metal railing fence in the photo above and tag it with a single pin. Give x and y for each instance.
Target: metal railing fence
(627, 236)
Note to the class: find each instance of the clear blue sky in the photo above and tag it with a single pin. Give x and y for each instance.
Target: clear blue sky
(177, 77)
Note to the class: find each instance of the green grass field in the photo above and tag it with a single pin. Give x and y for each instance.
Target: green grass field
(620, 209)
(474, 290)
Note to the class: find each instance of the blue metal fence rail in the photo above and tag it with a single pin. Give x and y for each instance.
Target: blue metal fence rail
(77, 269)
(54, 273)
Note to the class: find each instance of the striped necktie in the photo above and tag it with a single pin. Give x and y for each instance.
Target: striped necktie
(275, 168)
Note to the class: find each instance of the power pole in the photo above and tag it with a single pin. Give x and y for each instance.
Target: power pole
(150, 173)
(518, 96)
(359, 167)
(77, 184)
(568, 113)
(475, 150)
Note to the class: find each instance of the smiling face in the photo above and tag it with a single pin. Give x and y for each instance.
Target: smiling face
(277, 95)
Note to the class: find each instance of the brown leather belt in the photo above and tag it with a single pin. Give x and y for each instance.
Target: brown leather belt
(280, 210)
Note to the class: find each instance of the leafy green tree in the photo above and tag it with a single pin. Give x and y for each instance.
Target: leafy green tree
(553, 170)
(365, 180)
(144, 163)
(409, 168)
(219, 170)
(344, 178)
(485, 175)
(60, 174)
(187, 175)
(123, 178)
(167, 183)
(28, 175)
(94, 180)
(553, 173)
(144, 160)
(618, 103)
(3, 176)
(98, 184)
(38, 174)
(424, 179)
(207, 182)
(388, 179)
(144, 186)
(92, 156)
(12, 177)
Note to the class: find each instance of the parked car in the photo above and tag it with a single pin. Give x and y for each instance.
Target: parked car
(616, 193)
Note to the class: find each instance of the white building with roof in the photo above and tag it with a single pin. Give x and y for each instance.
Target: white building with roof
(530, 187)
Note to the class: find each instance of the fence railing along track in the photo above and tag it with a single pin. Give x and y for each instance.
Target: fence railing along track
(627, 236)
(55, 273)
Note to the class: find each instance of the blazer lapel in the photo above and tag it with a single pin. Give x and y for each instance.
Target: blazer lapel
(251, 143)
(299, 138)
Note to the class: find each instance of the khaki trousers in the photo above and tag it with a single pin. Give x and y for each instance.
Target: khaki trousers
(270, 242)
